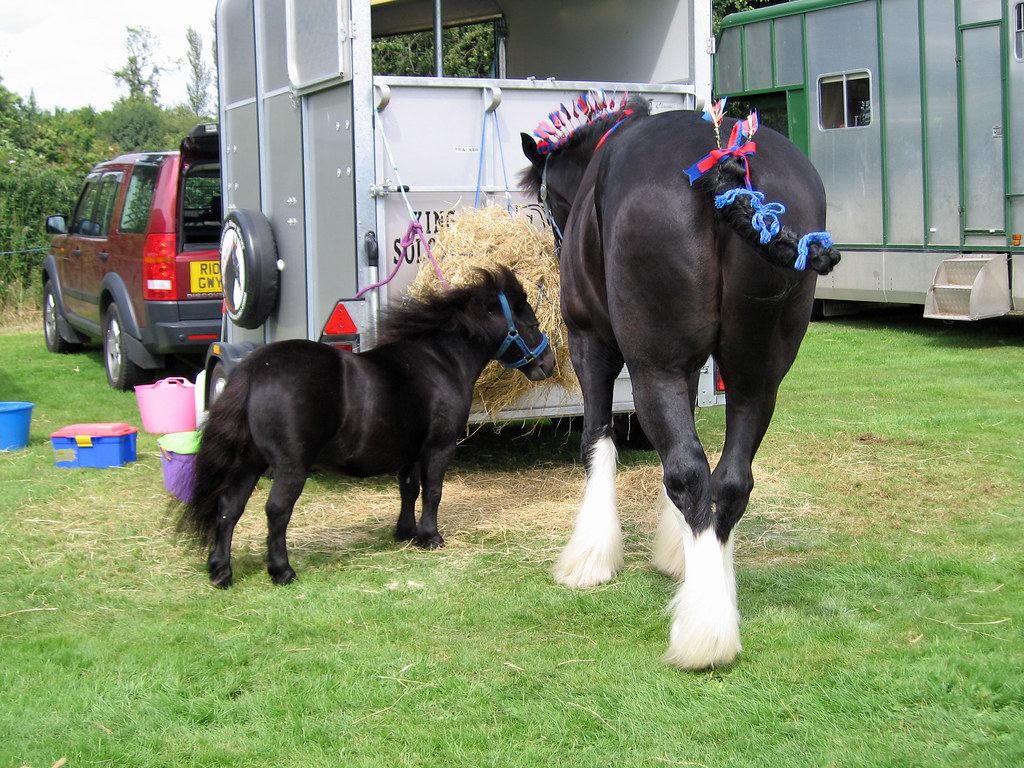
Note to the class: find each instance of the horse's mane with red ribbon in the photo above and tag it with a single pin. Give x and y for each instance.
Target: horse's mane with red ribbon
(566, 122)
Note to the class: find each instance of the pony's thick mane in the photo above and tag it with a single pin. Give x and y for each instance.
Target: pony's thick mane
(461, 308)
(588, 119)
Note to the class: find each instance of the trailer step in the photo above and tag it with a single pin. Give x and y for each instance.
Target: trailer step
(970, 288)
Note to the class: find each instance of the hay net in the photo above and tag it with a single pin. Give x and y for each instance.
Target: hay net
(492, 236)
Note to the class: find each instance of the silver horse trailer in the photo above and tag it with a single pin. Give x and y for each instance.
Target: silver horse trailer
(913, 113)
(326, 164)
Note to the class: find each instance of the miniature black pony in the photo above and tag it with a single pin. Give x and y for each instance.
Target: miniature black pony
(659, 273)
(397, 407)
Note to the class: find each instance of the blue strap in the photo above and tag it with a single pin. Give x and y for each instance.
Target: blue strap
(513, 337)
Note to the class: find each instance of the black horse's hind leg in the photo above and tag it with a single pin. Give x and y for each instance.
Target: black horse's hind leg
(594, 553)
(284, 493)
(669, 553)
(231, 505)
(409, 490)
(705, 627)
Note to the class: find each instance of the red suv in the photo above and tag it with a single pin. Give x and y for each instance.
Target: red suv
(137, 266)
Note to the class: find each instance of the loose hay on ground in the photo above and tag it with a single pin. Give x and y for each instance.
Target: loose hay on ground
(489, 237)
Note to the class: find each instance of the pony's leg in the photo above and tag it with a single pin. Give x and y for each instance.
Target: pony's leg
(705, 623)
(409, 490)
(284, 493)
(435, 464)
(594, 552)
(231, 505)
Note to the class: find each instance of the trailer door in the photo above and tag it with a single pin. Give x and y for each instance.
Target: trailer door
(981, 118)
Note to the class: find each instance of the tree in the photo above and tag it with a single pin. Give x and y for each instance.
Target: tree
(722, 8)
(216, 74)
(140, 73)
(199, 77)
(468, 52)
(135, 125)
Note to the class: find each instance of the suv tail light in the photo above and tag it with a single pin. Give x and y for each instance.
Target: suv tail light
(159, 281)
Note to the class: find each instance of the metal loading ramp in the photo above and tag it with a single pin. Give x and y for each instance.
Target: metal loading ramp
(970, 287)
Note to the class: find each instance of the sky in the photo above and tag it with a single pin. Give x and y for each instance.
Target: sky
(66, 50)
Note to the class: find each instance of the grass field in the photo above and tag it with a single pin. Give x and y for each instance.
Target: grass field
(879, 570)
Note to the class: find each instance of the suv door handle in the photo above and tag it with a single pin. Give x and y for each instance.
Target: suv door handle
(104, 255)
(76, 252)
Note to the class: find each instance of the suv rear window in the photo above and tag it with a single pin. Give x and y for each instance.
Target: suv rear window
(201, 208)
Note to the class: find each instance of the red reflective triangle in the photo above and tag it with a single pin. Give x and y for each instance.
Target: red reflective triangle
(340, 323)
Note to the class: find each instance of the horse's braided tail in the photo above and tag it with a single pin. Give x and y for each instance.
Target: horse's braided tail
(784, 248)
(225, 441)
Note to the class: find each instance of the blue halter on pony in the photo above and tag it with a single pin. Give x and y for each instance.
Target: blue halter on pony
(513, 337)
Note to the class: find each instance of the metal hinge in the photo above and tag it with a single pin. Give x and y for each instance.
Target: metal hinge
(385, 189)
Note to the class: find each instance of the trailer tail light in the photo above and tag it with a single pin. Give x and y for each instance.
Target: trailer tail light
(340, 322)
(341, 330)
(719, 383)
(159, 278)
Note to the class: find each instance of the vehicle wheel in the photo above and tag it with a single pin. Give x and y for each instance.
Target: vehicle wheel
(54, 341)
(248, 268)
(122, 373)
(215, 382)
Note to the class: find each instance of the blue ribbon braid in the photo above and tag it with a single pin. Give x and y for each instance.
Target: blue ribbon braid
(802, 248)
(766, 215)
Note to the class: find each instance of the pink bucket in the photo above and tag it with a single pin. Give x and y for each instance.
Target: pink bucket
(167, 406)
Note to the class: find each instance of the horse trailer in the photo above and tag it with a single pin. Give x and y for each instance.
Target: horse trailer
(913, 114)
(327, 165)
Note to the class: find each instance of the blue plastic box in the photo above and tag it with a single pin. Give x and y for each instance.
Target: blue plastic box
(94, 445)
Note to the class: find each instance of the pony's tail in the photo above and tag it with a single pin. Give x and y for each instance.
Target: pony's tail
(784, 249)
(225, 441)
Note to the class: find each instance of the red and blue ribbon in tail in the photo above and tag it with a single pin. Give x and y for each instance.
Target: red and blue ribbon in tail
(736, 148)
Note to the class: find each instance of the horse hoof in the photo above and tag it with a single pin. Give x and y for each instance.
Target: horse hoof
(434, 541)
(583, 564)
(286, 576)
(403, 534)
(221, 578)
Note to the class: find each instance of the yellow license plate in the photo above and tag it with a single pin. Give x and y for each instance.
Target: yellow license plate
(204, 277)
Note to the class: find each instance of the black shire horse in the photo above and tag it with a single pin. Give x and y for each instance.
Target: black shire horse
(398, 407)
(655, 276)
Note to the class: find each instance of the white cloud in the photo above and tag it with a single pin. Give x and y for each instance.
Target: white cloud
(65, 51)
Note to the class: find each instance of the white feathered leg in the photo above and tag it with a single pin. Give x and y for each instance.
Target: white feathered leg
(669, 555)
(594, 553)
(706, 622)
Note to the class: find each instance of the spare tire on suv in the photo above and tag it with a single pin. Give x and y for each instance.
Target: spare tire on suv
(136, 266)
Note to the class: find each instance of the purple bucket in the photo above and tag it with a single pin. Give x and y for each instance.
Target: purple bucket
(178, 461)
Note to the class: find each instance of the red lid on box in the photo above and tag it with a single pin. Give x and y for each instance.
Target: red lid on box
(95, 430)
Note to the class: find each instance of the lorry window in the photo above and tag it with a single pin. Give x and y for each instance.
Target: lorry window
(844, 100)
(84, 222)
(139, 199)
(1018, 31)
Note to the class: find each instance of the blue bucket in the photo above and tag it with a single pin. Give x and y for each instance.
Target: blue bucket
(14, 422)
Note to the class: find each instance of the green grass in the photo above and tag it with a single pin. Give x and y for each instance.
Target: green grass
(878, 565)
